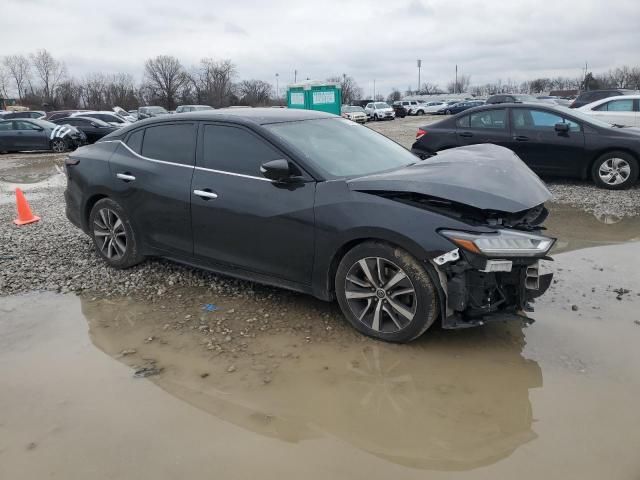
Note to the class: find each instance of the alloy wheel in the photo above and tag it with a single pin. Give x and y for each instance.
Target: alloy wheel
(380, 295)
(110, 234)
(58, 146)
(614, 171)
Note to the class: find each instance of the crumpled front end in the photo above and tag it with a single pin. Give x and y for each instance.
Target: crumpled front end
(477, 290)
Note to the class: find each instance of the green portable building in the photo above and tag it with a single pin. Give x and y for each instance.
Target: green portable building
(311, 95)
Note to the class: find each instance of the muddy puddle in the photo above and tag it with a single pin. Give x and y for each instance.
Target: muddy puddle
(30, 171)
(556, 400)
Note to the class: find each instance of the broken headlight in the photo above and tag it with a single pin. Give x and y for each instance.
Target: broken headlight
(503, 243)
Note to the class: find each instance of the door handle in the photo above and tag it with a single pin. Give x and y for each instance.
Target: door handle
(466, 134)
(521, 138)
(127, 177)
(206, 194)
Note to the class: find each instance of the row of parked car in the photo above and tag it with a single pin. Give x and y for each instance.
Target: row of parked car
(62, 130)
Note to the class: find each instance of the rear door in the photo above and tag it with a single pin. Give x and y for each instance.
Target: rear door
(151, 178)
(619, 111)
(7, 136)
(244, 220)
(545, 150)
(484, 126)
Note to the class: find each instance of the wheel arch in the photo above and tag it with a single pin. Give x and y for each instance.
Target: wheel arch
(88, 206)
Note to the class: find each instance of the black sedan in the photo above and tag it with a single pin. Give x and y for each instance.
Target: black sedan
(319, 204)
(459, 107)
(93, 128)
(551, 140)
(29, 134)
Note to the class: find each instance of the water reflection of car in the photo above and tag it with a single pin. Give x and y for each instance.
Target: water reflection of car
(355, 114)
(93, 128)
(379, 111)
(452, 403)
(388, 234)
(34, 134)
(551, 140)
(512, 98)
(400, 110)
(153, 111)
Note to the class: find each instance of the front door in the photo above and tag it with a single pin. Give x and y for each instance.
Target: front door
(29, 136)
(545, 150)
(240, 218)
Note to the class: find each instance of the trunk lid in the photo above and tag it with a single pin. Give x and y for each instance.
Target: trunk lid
(488, 177)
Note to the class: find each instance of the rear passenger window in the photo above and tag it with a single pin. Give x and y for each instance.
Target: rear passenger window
(134, 142)
(174, 142)
(235, 150)
(494, 119)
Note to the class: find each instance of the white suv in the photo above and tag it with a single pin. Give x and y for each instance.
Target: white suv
(379, 111)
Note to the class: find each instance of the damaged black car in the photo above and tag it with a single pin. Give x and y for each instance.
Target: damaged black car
(314, 203)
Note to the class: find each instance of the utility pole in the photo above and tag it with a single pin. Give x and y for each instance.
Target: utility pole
(419, 66)
(455, 85)
(295, 76)
(277, 85)
(374, 89)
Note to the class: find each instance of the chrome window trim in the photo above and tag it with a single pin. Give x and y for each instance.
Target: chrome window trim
(223, 172)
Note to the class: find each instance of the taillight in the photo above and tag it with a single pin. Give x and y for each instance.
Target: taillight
(420, 133)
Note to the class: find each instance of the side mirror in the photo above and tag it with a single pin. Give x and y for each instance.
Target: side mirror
(276, 170)
(561, 127)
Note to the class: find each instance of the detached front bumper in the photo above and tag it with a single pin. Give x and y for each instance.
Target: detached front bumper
(476, 290)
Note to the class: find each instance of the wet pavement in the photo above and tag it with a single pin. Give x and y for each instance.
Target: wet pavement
(555, 400)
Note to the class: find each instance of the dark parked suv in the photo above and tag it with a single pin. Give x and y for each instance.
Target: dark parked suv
(592, 95)
(316, 203)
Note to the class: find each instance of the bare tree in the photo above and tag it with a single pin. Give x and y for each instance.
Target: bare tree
(4, 82)
(394, 96)
(254, 92)
(213, 82)
(165, 76)
(69, 94)
(19, 68)
(49, 72)
(428, 88)
(461, 86)
(350, 89)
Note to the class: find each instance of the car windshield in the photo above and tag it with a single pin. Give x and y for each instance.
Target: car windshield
(202, 107)
(156, 110)
(340, 148)
(583, 116)
(352, 109)
(381, 105)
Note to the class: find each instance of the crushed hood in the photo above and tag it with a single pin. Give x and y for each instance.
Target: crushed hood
(485, 176)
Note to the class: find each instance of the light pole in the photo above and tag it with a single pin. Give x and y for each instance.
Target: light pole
(277, 86)
(419, 66)
(455, 85)
(374, 89)
(295, 76)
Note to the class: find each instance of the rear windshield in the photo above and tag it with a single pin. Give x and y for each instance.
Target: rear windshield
(340, 148)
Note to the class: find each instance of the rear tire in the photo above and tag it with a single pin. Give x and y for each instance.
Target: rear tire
(113, 235)
(385, 293)
(615, 170)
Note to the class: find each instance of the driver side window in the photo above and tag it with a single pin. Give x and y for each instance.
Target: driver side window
(18, 125)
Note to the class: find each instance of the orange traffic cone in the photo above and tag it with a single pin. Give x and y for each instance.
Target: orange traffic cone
(24, 211)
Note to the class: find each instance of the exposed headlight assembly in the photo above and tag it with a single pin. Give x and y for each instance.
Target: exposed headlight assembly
(503, 243)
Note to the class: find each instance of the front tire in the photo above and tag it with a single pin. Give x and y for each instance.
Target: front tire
(375, 117)
(113, 235)
(615, 170)
(385, 293)
(58, 145)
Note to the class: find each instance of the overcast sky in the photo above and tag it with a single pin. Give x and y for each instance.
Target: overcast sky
(367, 39)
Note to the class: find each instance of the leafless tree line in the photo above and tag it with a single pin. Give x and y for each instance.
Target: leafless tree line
(39, 80)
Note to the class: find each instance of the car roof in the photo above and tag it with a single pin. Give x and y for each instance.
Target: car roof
(260, 116)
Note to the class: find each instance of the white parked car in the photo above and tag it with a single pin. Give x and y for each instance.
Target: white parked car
(379, 111)
(621, 110)
(110, 117)
(433, 107)
(354, 113)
